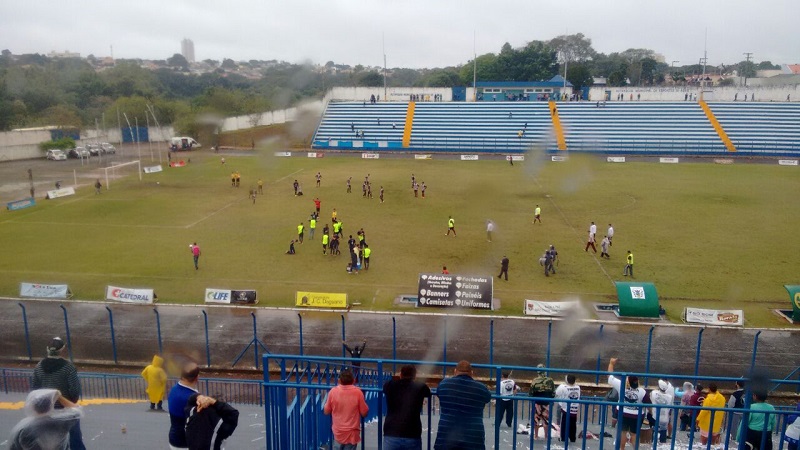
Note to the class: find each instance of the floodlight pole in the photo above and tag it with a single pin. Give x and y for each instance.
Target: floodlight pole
(474, 69)
(149, 141)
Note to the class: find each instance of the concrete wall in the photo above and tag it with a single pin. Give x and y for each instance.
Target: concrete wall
(271, 117)
(16, 145)
(395, 94)
(674, 94)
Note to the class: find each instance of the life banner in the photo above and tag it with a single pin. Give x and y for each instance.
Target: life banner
(63, 192)
(728, 317)
(552, 309)
(128, 295)
(794, 296)
(20, 204)
(455, 291)
(320, 300)
(36, 290)
(244, 297)
(218, 296)
(153, 169)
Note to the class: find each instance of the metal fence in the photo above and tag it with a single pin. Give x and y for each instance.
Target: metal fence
(296, 396)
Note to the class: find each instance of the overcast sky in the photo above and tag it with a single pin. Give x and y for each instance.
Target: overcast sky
(418, 33)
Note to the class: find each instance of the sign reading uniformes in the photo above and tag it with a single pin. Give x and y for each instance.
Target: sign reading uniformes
(728, 317)
(128, 295)
(320, 300)
(455, 291)
(36, 290)
(557, 309)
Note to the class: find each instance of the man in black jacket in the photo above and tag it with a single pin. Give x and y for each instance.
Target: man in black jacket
(203, 414)
(55, 372)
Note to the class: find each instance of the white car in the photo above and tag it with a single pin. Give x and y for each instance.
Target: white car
(56, 155)
(108, 148)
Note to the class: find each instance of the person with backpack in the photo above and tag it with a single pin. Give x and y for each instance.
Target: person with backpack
(542, 387)
(736, 400)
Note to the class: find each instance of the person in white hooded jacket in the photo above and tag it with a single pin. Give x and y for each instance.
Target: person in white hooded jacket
(664, 395)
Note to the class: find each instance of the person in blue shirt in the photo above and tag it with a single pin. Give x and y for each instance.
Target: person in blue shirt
(462, 400)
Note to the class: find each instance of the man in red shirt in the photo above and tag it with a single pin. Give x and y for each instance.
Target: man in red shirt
(346, 406)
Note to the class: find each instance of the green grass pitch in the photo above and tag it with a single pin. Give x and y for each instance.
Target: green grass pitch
(715, 236)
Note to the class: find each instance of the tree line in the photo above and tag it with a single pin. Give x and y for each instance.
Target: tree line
(36, 90)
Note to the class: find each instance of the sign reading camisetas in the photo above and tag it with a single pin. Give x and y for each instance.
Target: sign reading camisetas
(455, 291)
(127, 295)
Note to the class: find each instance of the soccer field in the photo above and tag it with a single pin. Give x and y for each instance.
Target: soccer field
(716, 236)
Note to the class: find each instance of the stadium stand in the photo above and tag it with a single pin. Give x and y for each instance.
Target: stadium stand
(679, 128)
(771, 128)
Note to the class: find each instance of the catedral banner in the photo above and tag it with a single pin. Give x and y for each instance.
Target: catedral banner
(728, 317)
(320, 300)
(229, 296)
(36, 290)
(128, 295)
(552, 309)
(455, 291)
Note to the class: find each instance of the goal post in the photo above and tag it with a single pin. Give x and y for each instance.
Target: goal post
(120, 170)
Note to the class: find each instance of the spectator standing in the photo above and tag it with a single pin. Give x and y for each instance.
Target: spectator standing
(355, 351)
(49, 418)
(402, 428)
(663, 396)
(97, 186)
(156, 379)
(55, 372)
(542, 387)
(792, 436)
(505, 407)
(686, 399)
(760, 422)
(710, 429)
(569, 412)
(346, 406)
(633, 395)
(736, 400)
(209, 421)
(177, 400)
(461, 400)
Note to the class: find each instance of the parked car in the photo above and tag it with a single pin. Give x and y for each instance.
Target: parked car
(79, 152)
(56, 155)
(108, 148)
(94, 149)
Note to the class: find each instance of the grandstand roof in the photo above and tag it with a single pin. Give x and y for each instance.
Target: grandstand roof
(556, 81)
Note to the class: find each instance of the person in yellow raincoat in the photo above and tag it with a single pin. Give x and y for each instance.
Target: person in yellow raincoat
(156, 379)
(713, 400)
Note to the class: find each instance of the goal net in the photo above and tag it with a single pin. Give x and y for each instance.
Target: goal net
(117, 171)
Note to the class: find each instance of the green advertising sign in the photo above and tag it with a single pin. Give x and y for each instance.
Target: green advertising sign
(794, 297)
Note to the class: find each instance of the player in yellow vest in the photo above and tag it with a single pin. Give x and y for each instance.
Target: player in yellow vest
(451, 226)
(629, 266)
(367, 252)
(300, 229)
(325, 239)
(260, 186)
(537, 214)
(312, 226)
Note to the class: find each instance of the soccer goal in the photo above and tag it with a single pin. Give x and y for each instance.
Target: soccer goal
(120, 170)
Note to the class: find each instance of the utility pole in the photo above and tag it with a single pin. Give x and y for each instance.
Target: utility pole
(384, 68)
(747, 55)
(474, 69)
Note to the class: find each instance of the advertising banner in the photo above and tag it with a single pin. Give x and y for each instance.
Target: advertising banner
(153, 169)
(723, 161)
(20, 204)
(558, 158)
(469, 157)
(616, 159)
(515, 158)
(668, 160)
(455, 291)
(315, 154)
(370, 155)
(178, 164)
(794, 296)
(283, 154)
(320, 300)
(423, 156)
(128, 295)
(553, 309)
(36, 290)
(218, 296)
(63, 192)
(244, 297)
(787, 162)
(729, 317)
